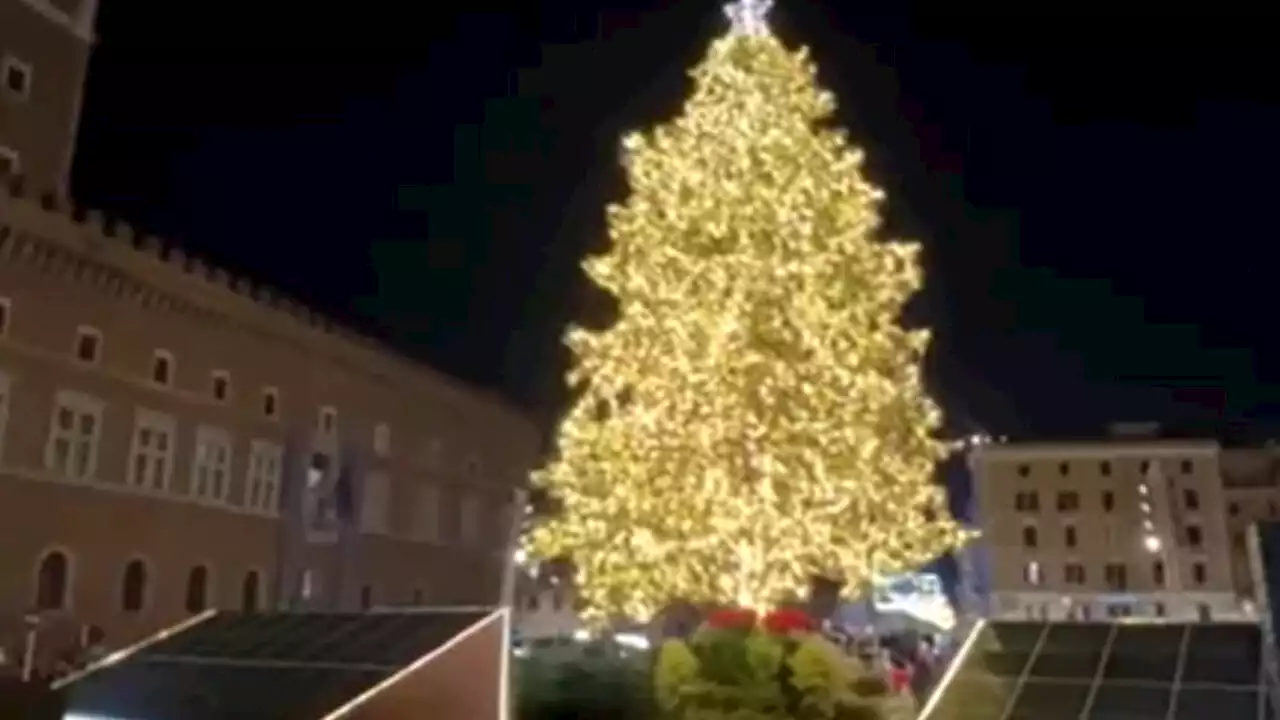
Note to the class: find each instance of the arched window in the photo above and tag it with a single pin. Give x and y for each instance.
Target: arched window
(133, 589)
(53, 581)
(250, 591)
(197, 589)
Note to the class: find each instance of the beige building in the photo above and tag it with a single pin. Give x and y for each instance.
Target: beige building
(173, 438)
(1117, 528)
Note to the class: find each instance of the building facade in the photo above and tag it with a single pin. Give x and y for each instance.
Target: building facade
(1118, 528)
(1251, 485)
(545, 609)
(173, 438)
(44, 57)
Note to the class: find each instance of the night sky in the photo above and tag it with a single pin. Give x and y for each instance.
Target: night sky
(1096, 190)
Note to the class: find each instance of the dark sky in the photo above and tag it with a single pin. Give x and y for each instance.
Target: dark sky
(1096, 189)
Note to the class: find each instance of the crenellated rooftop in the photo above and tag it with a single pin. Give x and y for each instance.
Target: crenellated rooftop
(47, 232)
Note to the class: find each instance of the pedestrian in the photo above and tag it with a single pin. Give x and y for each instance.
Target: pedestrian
(93, 645)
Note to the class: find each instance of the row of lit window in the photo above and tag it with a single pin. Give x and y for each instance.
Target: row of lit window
(72, 453)
(1068, 501)
(1071, 538)
(163, 373)
(75, 432)
(1186, 467)
(1115, 574)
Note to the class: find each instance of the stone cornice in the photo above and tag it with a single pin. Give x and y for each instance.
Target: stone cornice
(88, 248)
(1139, 449)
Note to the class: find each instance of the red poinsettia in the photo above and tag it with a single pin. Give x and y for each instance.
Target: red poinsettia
(900, 679)
(785, 622)
(732, 619)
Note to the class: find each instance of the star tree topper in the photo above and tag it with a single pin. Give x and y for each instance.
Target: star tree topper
(749, 17)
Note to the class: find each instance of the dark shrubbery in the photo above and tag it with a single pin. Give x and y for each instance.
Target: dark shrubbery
(596, 681)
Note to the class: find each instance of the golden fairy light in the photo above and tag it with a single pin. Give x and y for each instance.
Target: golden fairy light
(756, 416)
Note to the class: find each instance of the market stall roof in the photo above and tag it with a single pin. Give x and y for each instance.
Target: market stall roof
(278, 666)
(1099, 671)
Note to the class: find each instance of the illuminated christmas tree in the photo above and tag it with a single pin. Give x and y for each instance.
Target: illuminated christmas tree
(756, 416)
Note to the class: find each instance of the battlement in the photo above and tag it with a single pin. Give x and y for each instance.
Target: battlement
(47, 229)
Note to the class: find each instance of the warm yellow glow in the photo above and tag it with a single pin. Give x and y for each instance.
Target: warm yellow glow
(756, 415)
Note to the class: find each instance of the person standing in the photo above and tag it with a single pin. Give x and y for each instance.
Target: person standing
(93, 645)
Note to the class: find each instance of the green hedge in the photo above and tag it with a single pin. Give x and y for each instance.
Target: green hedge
(596, 681)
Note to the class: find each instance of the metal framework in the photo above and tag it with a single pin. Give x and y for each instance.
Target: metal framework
(1199, 664)
(299, 661)
(1099, 674)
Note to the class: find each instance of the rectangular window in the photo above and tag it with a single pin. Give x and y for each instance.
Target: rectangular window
(1068, 501)
(220, 385)
(1191, 498)
(382, 440)
(5, 391)
(5, 304)
(426, 519)
(1031, 573)
(75, 429)
(375, 510)
(1027, 501)
(162, 368)
(1117, 575)
(151, 458)
(262, 480)
(270, 403)
(470, 510)
(15, 78)
(1073, 574)
(10, 163)
(88, 344)
(211, 465)
(327, 420)
(506, 516)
